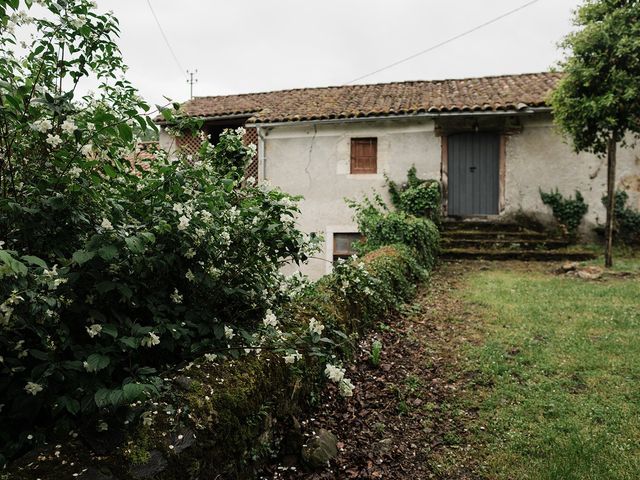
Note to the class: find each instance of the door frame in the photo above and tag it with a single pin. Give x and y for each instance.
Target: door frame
(444, 173)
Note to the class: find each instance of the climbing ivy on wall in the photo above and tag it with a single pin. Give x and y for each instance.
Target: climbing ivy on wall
(417, 197)
(567, 211)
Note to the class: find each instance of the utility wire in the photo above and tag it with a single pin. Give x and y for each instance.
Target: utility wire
(166, 40)
(449, 40)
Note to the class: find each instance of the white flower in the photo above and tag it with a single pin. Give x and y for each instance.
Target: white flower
(210, 357)
(184, 222)
(53, 140)
(151, 340)
(74, 172)
(315, 326)
(51, 274)
(228, 333)
(33, 388)
(206, 216)
(94, 330)
(103, 426)
(226, 238)
(176, 297)
(88, 367)
(86, 149)
(270, 320)
(285, 217)
(42, 126)
(106, 224)
(147, 419)
(78, 21)
(292, 358)
(68, 127)
(251, 181)
(178, 207)
(190, 276)
(346, 387)
(333, 373)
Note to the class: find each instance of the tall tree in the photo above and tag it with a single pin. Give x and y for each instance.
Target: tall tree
(597, 102)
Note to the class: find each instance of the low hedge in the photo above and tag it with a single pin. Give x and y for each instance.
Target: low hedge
(222, 419)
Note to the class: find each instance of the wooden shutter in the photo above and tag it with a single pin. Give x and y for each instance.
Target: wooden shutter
(364, 155)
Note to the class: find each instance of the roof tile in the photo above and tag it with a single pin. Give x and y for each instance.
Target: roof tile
(498, 93)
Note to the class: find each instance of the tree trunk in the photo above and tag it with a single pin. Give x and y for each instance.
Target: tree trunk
(611, 196)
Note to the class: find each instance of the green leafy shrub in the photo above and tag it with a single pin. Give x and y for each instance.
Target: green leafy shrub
(112, 271)
(226, 401)
(417, 197)
(567, 211)
(380, 227)
(626, 220)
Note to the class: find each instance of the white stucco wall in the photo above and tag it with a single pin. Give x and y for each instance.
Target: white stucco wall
(314, 160)
(539, 158)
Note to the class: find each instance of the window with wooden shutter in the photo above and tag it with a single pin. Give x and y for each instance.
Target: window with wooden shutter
(364, 155)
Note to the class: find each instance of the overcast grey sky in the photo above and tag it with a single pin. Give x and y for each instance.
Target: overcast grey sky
(257, 45)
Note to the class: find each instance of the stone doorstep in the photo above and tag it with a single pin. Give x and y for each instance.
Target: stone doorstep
(515, 254)
(505, 244)
(480, 234)
(485, 226)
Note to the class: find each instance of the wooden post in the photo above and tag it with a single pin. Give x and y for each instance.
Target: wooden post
(611, 196)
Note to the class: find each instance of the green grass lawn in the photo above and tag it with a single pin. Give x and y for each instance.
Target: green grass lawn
(558, 375)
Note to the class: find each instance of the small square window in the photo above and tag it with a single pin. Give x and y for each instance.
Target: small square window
(364, 155)
(343, 244)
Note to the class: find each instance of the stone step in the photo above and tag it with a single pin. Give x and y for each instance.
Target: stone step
(516, 254)
(513, 243)
(485, 226)
(499, 235)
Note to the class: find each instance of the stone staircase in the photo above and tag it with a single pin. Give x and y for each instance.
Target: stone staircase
(490, 240)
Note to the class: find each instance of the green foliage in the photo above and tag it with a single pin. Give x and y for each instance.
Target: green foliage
(598, 97)
(256, 387)
(380, 227)
(376, 353)
(112, 271)
(567, 211)
(420, 198)
(627, 220)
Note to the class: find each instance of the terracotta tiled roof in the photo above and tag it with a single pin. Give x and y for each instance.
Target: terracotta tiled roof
(486, 94)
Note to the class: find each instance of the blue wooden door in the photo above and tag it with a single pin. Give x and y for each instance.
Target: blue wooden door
(474, 174)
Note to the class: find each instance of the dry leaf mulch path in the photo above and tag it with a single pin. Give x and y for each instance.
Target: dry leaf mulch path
(405, 418)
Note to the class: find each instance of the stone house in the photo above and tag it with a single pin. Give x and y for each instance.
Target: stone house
(490, 141)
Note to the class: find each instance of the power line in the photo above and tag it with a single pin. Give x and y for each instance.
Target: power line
(449, 40)
(166, 40)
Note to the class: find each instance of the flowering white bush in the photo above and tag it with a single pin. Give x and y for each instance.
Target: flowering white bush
(111, 274)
